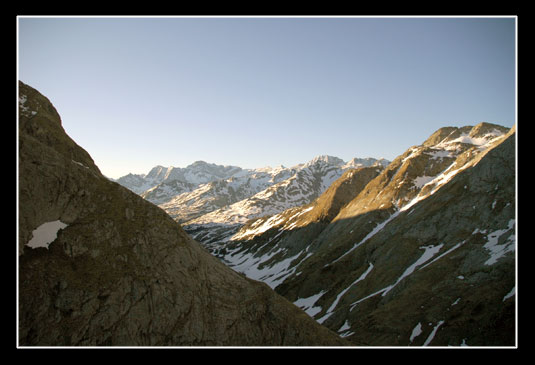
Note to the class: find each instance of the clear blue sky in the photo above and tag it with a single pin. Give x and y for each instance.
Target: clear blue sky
(253, 92)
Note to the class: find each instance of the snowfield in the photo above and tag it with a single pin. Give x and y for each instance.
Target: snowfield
(45, 234)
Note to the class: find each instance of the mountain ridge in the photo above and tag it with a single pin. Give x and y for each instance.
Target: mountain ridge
(334, 270)
(421, 252)
(217, 208)
(113, 269)
(142, 183)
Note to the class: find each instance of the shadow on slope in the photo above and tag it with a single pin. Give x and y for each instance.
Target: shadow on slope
(439, 273)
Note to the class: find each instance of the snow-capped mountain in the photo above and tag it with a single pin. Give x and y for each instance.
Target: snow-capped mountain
(216, 200)
(306, 184)
(205, 193)
(218, 194)
(366, 162)
(197, 173)
(431, 239)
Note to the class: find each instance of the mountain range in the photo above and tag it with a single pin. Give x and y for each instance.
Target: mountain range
(420, 251)
(197, 184)
(213, 201)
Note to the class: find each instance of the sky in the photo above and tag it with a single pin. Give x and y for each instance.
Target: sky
(136, 92)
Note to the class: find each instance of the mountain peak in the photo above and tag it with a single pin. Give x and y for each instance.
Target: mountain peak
(488, 129)
(477, 135)
(331, 160)
(199, 163)
(366, 162)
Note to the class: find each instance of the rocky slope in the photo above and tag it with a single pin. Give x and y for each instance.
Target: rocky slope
(99, 265)
(423, 254)
(271, 248)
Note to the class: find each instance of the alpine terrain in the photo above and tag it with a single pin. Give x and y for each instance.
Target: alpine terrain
(100, 265)
(226, 197)
(420, 253)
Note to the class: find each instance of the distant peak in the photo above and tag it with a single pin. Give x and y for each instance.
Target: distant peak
(157, 169)
(200, 163)
(366, 162)
(331, 160)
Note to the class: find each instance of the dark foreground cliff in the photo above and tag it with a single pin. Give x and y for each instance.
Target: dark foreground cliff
(119, 270)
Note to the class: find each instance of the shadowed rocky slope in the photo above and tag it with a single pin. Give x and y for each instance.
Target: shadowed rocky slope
(422, 255)
(120, 271)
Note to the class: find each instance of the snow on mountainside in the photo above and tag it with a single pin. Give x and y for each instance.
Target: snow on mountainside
(197, 173)
(218, 194)
(416, 174)
(234, 195)
(213, 201)
(452, 196)
(268, 260)
(309, 181)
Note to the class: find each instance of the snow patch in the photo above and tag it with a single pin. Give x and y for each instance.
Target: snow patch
(444, 254)
(45, 234)
(436, 154)
(345, 326)
(307, 304)
(80, 164)
(360, 278)
(429, 252)
(345, 329)
(417, 331)
(496, 250)
(250, 265)
(432, 334)
(509, 295)
(420, 181)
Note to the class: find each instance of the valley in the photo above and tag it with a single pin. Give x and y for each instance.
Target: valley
(418, 251)
(376, 250)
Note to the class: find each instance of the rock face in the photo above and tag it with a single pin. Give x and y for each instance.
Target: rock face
(114, 269)
(421, 253)
(439, 272)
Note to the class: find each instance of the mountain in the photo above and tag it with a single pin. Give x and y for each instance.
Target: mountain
(306, 184)
(226, 197)
(420, 253)
(99, 265)
(270, 248)
(309, 181)
(191, 176)
(218, 194)
(200, 188)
